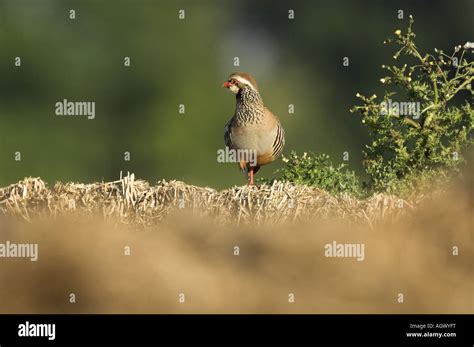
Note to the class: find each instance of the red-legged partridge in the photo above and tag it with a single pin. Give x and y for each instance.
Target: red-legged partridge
(253, 128)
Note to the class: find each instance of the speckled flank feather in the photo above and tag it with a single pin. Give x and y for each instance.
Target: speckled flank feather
(279, 142)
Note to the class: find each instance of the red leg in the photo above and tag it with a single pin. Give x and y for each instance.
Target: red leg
(251, 176)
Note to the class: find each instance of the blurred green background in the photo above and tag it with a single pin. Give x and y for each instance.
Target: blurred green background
(176, 62)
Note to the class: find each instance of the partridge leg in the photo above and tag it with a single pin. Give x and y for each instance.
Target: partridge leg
(251, 176)
(243, 167)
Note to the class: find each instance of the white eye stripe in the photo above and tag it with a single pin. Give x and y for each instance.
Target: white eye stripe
(243, 80)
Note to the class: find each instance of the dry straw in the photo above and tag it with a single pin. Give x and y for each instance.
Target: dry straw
(133, 201)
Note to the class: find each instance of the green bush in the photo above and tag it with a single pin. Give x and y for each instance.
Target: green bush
(418, 138)
(317, 170)
(420, 146)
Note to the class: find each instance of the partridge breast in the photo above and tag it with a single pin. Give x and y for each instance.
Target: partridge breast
(266, 137)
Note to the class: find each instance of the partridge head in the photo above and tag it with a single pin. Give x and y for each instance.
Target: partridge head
(239, 80)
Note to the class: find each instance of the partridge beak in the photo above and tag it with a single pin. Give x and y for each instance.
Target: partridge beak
(226, 84)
